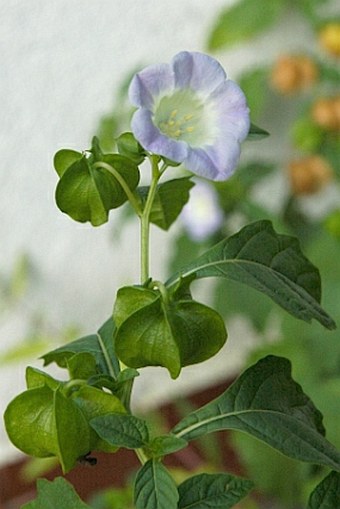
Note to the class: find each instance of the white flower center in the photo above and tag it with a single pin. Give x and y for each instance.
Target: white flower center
(183, 116)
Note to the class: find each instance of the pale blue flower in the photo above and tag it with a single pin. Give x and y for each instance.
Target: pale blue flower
(202, 216)
(189, 112)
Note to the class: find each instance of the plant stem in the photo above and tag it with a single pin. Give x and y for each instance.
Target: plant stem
(145, 219)
(131, 197)
(143, 458)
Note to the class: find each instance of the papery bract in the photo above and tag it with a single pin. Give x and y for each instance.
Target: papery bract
(189, 112)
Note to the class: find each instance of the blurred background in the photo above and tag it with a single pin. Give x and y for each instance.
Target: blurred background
(64, 72)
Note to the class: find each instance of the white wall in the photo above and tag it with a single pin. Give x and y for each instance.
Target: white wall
(60, 62)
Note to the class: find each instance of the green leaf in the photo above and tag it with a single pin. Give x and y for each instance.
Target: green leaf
(256, 133)
(117, 386)
(327, 494)
(121, 430)
(41, 422)
(37, 378)
(72, 433)
(129, 147)
(269, 262)
(82, 365)
(169, 201)
(87, 192)
(165, 444)
(32, 406)
(95, 403)
(155, 488)
(243, 21)
(170, 333)
(220, 491)
(99, 345)
(64, 158)
(268, 404)
(279, 477)
(56, 494)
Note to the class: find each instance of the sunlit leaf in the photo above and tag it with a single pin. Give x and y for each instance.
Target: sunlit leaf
(42, 423)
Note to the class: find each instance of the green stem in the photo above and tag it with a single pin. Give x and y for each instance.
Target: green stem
(145, 218)
(131, 197)
(143, 458)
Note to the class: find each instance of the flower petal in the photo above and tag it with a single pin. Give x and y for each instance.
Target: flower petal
(150, 137)
(233, 112)
(149, 83)
(199, 162)
(197, 71)
(215, 162)
(190, 113)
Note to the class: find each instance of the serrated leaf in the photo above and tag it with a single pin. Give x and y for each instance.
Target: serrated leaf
(64, 158)
(121, 430)
(269, 262)
(244, 20)
(268, 404)
(56, 494)
(218, 491)
(155, 488)
(99, 345)
(173, 334)
(87, 192)
(327, 494)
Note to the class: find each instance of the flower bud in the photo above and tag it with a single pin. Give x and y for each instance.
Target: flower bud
(329, 38)
(326, 113)
(309, 175)
(293, 73)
